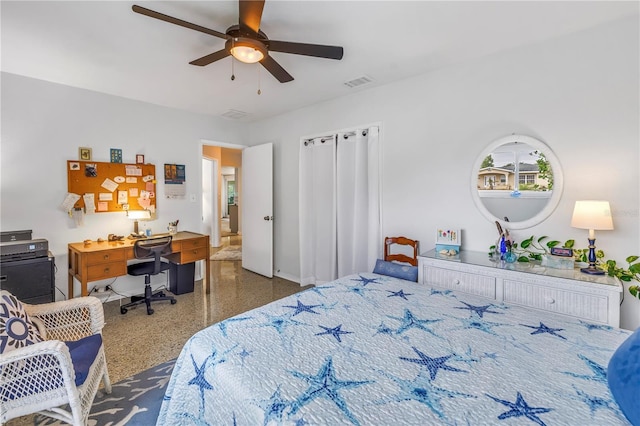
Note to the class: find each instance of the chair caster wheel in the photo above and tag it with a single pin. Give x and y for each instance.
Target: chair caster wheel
(161, 294)
(149, 311)
(123, 311)
(174, 301)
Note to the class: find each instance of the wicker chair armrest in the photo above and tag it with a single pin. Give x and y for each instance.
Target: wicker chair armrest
(70, 319)
(43, 367)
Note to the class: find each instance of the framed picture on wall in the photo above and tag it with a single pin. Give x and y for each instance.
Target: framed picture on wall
(84, 153)
(139, 159)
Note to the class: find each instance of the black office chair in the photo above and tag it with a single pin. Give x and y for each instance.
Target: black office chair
(144, 249)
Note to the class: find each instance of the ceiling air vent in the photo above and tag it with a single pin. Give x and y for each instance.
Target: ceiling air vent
(234, 114)
(357, 82)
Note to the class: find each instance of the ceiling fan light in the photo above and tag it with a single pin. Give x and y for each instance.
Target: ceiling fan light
(247, 54)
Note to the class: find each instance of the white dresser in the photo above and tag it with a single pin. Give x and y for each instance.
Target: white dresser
(593, 298)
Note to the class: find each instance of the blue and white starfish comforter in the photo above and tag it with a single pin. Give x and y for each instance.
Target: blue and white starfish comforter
(373, 350)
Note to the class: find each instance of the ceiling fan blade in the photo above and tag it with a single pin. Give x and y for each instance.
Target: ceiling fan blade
(250, 15)
(212, 57)
(276, 70)
(157, 15)
(317, 50)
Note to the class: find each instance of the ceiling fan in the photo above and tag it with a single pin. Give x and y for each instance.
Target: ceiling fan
(247, 43)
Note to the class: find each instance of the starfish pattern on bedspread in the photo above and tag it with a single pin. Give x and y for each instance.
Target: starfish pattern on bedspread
(399, 293)
(334, 331)
(479, 324)
(274, 408)
(224, 324)
(409, 321)
(520, 408)
(280, 322)
(432, 364)
(365, 281)
(301, 307)
(542, 329)
(479, 310)
(599, 372)
(422, 390)
(595, 402)
(325, 384)
(590, 326)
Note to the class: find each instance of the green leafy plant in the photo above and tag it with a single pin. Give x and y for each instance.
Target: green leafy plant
(532, 249)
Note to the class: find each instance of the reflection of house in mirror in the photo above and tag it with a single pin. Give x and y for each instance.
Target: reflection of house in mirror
(504, 177)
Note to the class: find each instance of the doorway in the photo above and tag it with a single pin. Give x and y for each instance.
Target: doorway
(221, 199)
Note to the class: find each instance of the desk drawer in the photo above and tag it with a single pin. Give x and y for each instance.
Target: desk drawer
(106, 270)
(105, 256)
(481, 285)
(188, 255)
(193, 243)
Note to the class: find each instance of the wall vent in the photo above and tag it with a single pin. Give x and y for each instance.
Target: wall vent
(234, 114)
(360, 81)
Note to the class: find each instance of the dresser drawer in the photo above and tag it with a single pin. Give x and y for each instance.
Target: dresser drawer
(580, 305)
(481, 285)
(106, 270)
(105, 256)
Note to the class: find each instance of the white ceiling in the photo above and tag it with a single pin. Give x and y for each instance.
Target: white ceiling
(104, 46)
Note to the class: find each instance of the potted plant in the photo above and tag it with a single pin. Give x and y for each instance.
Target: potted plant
(532, 249)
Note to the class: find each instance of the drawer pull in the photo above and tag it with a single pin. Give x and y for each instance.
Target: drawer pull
(456, 281)
(550, 300)
(106, 270)
(106, 257)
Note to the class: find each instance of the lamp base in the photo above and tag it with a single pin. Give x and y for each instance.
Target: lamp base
(592, 271)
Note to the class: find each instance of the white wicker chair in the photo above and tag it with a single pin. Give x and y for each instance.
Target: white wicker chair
(27, 370)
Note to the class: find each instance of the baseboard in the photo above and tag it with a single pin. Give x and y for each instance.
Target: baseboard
(287, 277)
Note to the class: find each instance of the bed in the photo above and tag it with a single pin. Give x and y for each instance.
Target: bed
(373, 349)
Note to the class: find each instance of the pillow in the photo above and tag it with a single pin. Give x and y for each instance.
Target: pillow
(623, 375)
(16, 328)
(396, 270)
(83, 352)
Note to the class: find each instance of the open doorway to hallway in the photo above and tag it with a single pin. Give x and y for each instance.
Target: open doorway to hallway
(222, 192)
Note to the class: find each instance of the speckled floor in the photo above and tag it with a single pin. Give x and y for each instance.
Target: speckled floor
(136, 341)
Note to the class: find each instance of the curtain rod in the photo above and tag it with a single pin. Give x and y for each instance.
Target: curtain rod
(323, 139)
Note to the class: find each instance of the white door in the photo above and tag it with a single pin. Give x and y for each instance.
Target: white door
(210, 211)
(257, 209)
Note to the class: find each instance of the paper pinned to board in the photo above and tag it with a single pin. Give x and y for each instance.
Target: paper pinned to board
(89, 203)
(109, 185)
(69, 201)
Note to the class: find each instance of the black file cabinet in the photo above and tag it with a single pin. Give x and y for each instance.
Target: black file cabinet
(30, 280)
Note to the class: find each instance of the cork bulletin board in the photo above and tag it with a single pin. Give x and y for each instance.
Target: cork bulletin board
(112, 187)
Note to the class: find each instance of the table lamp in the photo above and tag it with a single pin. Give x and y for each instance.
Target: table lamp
(138, 214)
(592, 215)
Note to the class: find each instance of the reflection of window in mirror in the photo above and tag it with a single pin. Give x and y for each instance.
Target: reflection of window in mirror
(515, 180)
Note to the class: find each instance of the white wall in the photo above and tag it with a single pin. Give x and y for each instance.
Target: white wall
(43, 124)
(579, 94)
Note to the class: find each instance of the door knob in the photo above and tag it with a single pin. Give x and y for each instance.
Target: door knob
(268, 218)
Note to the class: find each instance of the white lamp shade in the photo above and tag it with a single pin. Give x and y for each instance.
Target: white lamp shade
(138, 214)
(592, 215)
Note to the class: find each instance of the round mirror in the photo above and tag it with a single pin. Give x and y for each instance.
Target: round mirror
(517, 181)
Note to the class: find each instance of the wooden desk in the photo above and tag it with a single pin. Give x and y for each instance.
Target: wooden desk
(108, 259)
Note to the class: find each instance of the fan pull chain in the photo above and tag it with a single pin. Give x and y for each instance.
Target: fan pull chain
(259, 91)
(233, 60)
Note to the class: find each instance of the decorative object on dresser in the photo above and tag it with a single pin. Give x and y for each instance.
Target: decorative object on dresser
(592, 215)
(569, 292)
(448, 241)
